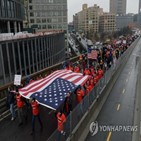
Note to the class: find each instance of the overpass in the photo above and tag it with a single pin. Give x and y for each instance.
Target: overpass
(77, 125)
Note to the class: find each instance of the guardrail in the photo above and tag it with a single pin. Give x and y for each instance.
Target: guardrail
(85, 109)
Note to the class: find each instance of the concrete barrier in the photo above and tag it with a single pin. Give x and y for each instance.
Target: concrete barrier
(82, 129)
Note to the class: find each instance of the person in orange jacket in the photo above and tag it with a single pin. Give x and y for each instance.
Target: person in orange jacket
(86, 72)
(79, 94)
(35, 114)
(20, 108)
(100, 73)
(96, 79)
(88, 87)
(92, 82)
(77, 69)
(92, 71)
(61, 119)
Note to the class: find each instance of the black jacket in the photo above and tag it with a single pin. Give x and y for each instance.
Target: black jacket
(10, 98)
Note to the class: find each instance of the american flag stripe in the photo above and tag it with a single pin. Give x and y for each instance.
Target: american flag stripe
(30, 86)
(41, 80)
(74, 78)
(71, 74)
(42, 85)
(82, 81)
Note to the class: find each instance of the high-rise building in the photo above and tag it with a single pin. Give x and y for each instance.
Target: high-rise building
(118, 7)
(88, 19)
(48, 14)
(107, 22)
(11, 15)
(124, 21)
(139, 6)
(139, 15)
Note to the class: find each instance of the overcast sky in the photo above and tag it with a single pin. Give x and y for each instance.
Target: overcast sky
(75, 6)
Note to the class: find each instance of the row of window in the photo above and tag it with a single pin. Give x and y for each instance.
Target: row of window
(59, 26)
(48, 7)
(46, 14)
(48, 20)
(48, 1)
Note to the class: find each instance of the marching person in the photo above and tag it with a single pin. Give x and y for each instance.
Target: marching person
(61, 119)
(10, 102)
(79, 94)
(67, 104)
(20, 107)
(35, 114)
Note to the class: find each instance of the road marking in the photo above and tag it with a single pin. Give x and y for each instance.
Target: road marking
(118, 107)
(123, 91)
(109, 136)
(129, 72)
(127, 80)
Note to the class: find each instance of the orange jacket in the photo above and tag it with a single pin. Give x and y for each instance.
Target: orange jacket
(100, 73)
(88, 88)
(61, 119)
(96, 78)
(19, 100)
(76, 69)
(80, 95)
(35, 108)
(87, 72)
(92, 82)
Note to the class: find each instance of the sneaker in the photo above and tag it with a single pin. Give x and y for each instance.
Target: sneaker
(12, 118)
(63, 133)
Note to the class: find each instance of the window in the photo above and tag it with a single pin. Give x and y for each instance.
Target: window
(38, 21)
(44, 27)
(43, 20)
(31, 20)
(31, 14)
(30, 7)
(50, 1)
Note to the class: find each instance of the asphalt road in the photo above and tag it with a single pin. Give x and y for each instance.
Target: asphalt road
(10, 131)
(119, 107)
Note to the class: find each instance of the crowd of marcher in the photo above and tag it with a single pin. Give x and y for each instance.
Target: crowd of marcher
(106, 56)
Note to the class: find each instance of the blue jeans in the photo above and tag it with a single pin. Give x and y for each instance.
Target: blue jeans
(12, 110)
(33, 121)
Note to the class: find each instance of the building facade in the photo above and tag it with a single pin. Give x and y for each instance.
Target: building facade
(124, 21)
(11, 15)
(88, 19)
(107, 22)
(28, 55)
(118, 7)
(47, 14)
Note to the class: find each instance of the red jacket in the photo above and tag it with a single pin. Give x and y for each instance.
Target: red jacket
(35, 108)
(61, 119)
(19, 100)
(80, 95)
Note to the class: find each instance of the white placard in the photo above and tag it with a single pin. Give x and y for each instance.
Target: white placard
(17, 79)
(124, 41)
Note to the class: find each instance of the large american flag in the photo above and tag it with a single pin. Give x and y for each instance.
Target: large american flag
(52, 90)
(92, 54)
